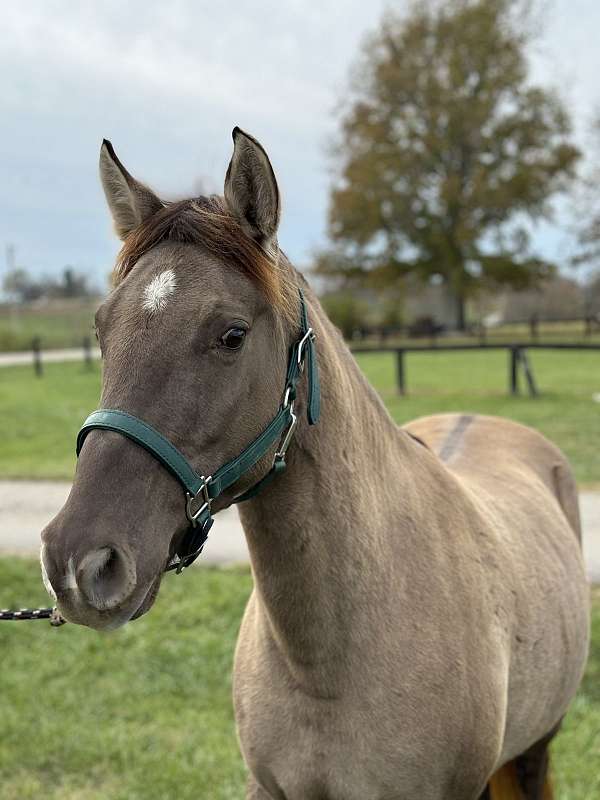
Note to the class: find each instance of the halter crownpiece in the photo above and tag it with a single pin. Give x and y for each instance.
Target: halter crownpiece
(201, 490)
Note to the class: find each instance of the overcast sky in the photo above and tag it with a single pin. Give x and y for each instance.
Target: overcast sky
(167, 81)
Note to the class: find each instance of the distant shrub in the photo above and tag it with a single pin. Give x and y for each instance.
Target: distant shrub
(347, 311)
(10, 340)
(424, 326)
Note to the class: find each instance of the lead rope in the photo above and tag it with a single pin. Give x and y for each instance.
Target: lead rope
(33, 613)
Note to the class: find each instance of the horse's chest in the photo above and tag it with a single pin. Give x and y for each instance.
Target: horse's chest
(313, 750)
(383, 730)
(327, 771)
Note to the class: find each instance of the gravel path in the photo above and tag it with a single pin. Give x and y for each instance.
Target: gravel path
(48, 356)
(26, 506)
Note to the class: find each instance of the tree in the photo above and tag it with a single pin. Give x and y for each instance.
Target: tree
(19, 285)
(346, 311)
(73, 284)
(24, 288)
(587, 206)
(554, 299)
(446, 152)
(592, 294)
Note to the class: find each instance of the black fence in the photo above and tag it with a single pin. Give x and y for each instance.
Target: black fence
(87, 355)
(518, 359)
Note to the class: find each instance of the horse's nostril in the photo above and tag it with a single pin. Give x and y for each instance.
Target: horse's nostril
(106, 577)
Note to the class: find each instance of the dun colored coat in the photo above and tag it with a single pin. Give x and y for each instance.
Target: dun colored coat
(419, 622)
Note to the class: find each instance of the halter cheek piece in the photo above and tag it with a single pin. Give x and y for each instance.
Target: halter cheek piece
(201, 491)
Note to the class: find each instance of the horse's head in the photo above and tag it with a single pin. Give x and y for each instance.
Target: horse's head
(194, 339)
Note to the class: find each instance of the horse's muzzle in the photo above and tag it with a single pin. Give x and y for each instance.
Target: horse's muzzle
(98, 589)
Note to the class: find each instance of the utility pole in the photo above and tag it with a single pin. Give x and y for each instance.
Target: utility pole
(11, 265)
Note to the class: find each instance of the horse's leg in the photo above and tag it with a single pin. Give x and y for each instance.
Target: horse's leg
(505, 784)
(532, 768)
(526, 777)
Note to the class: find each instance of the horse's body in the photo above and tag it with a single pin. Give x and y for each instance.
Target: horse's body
(413, 606)
(420, 611)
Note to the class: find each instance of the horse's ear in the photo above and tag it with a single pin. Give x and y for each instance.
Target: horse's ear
(251, 190)
(129, 201)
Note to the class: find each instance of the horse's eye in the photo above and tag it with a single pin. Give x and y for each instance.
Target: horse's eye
(234, 338)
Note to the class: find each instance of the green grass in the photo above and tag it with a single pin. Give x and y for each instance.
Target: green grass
(60, 324)
(40, 417)
(141, 713)
(478, 382)
(145, 713)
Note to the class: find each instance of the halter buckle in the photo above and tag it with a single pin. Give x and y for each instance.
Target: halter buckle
(287, 401)
(309, 335)
(287, 436)
(202, 498)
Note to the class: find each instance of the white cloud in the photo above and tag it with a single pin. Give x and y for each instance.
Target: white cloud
(168, 81)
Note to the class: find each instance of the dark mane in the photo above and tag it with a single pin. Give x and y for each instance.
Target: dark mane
(206, 222)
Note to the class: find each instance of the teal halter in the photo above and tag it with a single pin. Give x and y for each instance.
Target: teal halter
(201, 491)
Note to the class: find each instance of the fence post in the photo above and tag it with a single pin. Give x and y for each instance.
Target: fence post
(36, 346)
(533, 327)
(87, 352)
(400, 370)
(513, 372)
(524, 358)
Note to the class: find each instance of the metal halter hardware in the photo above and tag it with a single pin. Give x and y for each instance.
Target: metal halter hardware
(308, 336)
(288, 434)
(202, 497)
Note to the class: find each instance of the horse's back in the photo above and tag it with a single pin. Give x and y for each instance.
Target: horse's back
(502, 455)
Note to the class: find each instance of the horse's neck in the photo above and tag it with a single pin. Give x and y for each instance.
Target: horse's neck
(312, 533)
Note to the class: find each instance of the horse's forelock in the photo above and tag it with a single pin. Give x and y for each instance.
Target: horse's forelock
(206, 222)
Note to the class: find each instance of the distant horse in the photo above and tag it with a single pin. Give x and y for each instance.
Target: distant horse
(419, 622)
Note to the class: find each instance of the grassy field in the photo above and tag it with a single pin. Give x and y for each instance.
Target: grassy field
(142, 714)
(61, 324)
(565, 411)
(40, 417)
(145, 713)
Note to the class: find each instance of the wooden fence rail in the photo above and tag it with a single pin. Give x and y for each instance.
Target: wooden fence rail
(518, 362)
(517, 352)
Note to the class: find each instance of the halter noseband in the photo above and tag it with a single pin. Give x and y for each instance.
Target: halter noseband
(201, 491)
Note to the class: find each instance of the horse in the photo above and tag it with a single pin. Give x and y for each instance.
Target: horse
(419, 621)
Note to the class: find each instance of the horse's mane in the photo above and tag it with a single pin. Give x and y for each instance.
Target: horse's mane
(206, 222)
